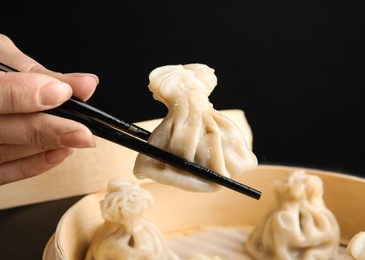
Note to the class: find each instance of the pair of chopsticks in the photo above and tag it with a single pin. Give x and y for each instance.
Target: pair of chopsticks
(134, 137)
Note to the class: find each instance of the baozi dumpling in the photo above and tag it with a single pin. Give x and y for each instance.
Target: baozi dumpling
(193, 129)
(125, 234)
(356, 246)
(200, 256)
(299, 226)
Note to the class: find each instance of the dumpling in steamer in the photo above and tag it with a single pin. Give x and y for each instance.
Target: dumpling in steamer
(125, 234)
(356, 246)
(299, 226)
(193, 129)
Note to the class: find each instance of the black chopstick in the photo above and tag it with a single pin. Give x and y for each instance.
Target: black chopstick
(105, 131)
(96, 113)
(110, 128)
(78, 105)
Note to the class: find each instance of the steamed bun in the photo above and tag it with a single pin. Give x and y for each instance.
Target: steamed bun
(193, 129)
(125, 234)
(299, 226)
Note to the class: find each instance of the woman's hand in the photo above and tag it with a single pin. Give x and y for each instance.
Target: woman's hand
(32, 142)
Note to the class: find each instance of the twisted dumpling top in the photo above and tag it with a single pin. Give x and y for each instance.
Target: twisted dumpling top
(193, 129)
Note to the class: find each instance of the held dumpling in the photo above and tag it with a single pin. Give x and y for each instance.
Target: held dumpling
(193, 129)
(125, 234)
(299, 226)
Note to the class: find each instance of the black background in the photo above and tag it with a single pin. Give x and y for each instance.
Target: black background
(295, 67)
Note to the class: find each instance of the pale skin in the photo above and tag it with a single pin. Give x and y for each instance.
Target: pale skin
(32, 142)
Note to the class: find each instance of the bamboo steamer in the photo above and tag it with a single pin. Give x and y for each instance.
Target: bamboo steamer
(178, 213)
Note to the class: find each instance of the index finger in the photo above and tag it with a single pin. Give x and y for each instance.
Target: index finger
(83, 84)
(15, 58)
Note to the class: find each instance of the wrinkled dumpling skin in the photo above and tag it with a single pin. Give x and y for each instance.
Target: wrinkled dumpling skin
(193, 129)
(125, 234)
(356, 246)
(299, 226)
(199, 256)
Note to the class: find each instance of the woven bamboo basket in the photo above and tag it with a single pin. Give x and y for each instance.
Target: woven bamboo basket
(220, 221)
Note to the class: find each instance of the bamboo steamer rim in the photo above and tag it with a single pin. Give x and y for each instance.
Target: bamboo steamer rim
(75, 228)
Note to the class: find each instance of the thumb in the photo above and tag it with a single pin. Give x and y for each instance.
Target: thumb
(24, 92)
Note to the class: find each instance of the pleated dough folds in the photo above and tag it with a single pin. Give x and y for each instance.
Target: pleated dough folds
(125, 234)
(299, 226)
(193, 129)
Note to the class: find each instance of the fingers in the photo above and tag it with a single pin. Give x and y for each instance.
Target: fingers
(10, 152)
(83, 85)
(30, 166)
(28, 92)
(31, 142)
(44, 130)
(13, 57)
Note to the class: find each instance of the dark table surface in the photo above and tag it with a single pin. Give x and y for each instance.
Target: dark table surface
(25, 231)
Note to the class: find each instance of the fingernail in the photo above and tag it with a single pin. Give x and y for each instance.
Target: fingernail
(54, 93)
(94, 77)
(58, 155)
(78, 139)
